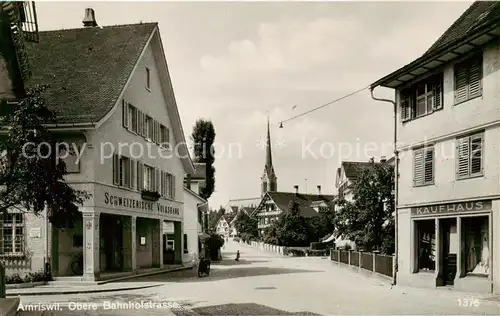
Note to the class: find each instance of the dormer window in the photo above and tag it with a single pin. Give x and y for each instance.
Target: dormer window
(148, 79)
(423, 98)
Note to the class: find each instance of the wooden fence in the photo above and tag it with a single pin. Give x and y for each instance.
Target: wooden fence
(370, 261)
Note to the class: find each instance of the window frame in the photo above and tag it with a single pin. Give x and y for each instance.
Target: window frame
(148, 79)
(424, 150)
(72, 145)
(409, 96)
(13, 227)
(469, 138)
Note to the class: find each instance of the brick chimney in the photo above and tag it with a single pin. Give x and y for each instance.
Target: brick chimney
(296, 187)
(319, 190)
(382, 159)
(89, 19)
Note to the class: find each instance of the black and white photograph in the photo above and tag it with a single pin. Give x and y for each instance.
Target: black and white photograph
(260, 158)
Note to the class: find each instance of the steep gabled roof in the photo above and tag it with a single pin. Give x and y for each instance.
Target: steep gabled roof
(478, 25)
(477, 15)
(282, 200)
(353, 168)
(86, 68)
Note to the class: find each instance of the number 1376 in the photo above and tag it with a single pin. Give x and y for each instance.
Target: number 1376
(468, 302)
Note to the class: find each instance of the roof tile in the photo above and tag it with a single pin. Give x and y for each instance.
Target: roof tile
(86, 68)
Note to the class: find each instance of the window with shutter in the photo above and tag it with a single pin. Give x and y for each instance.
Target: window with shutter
(133, 118)
(470, 156)
(468, 79)
(125, 119)
(405, 106)
(140, 176)
(158, 180)
(132, 173)
(423, 98)
(116, 170)
(423, 166)
(173, 186)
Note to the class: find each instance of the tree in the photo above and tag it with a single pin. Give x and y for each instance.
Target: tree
(368, 220)
(322, 225)
(203, 138)
(291, 229)
(31, 175)
(246, 226)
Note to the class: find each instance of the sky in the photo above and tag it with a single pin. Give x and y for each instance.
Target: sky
(237, 62)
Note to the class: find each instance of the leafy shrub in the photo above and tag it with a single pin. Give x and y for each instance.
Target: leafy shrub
(318, 246)
(30, 277)
(297, 252)
(14, 279)
(316, 253)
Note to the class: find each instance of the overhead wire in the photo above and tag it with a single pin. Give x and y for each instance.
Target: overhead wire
(324, 105)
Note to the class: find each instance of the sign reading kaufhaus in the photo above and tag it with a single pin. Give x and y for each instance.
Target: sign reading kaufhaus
(130, 203)
(452, 208)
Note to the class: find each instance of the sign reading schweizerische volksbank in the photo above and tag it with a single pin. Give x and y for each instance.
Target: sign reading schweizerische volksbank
(140, 205)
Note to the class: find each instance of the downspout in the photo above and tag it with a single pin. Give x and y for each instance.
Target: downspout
(396, 176)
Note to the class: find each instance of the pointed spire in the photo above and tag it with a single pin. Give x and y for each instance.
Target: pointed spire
(269, 158)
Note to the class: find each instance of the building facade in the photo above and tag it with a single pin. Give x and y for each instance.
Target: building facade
(116, 110)
(273, 204)
(448, 128)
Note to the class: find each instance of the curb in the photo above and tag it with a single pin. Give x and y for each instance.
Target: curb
(81, 291)
(97, 290)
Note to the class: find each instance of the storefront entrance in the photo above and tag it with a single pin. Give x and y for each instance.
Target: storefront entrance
(449, 246)
(112, 241)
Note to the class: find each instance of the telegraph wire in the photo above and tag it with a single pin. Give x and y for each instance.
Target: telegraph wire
(324, 105)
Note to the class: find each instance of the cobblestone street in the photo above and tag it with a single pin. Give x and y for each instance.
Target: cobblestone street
(264, 284)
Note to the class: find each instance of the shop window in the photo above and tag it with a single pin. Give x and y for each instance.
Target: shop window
(426, 245)
(476, 238)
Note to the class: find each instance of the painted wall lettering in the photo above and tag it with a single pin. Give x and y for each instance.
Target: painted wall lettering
(453, 208)
(138, 204)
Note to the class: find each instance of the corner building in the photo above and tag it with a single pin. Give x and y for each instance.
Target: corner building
(448, 128)
(111, 90)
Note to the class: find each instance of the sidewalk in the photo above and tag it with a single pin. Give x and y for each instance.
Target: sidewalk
(58, 288)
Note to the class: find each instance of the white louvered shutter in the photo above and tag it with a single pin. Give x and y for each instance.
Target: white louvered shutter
(125, 114)
(173, 186)
(158, 180)
(429, 165)
(460, 84)
(132, 174)
(474, 79)
(418, 167)
(463, 157)
(405, 106)
(438, 94)
(140, 176)
(476, 156)
(116, 170)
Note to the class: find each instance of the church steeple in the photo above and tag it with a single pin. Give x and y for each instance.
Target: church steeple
(269, 182)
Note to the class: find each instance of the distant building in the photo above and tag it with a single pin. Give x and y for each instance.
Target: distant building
(273, 204)
(345, 180)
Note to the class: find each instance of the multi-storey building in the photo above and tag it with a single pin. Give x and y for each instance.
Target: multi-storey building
(448, 135)
(111, 92)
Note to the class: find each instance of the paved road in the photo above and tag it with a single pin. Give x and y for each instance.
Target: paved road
(260, 279)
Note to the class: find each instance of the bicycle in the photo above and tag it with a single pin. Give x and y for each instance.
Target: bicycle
(77, 264)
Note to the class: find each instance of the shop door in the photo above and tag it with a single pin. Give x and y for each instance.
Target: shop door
(113, 242)
(449, 246)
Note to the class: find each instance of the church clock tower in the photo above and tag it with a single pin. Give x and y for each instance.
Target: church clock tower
(269, 180)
